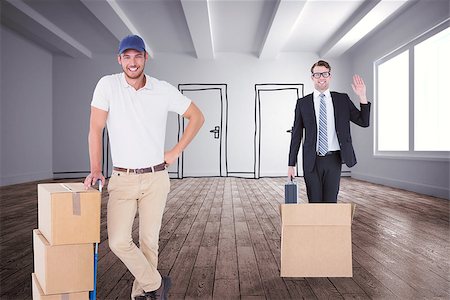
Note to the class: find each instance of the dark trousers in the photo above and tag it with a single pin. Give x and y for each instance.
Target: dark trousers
(322, 183)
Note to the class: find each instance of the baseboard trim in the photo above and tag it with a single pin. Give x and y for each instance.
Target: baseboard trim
(426, 189)
(8, 180)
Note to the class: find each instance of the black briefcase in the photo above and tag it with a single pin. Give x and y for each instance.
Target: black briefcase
(290, 192)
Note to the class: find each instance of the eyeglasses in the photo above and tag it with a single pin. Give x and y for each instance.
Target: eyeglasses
(323, 74)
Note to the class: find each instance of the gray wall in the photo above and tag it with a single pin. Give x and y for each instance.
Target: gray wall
(26, 110)
(45, 102)
(75, 79)
(421, 175)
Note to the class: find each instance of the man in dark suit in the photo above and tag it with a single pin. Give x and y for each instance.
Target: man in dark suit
(323, 119)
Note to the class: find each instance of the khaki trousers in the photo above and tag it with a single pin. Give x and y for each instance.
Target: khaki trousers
(147, 194)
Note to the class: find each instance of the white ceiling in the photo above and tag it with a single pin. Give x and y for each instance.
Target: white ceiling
(201, 28)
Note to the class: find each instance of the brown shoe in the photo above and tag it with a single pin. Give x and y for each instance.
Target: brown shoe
(161, 293)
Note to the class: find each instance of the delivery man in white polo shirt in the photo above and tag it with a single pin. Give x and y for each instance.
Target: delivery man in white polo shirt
(134, 106)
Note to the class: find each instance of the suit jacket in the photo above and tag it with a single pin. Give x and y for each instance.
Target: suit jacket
(305, 119)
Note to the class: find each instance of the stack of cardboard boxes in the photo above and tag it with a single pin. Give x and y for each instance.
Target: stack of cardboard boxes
(69, 224)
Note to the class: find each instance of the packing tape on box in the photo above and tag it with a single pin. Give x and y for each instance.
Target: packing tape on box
(76, 203)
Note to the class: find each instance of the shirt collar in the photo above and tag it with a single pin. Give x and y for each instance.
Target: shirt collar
(326, 93)
(147, 86)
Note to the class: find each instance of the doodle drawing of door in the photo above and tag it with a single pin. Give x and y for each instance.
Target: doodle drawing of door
(276, 118)
(173, 133)
(206, 154)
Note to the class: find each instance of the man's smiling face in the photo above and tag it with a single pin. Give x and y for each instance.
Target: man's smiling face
(133, 62)
(322, 83)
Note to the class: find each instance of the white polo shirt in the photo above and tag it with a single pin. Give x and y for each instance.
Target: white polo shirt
(137, 119)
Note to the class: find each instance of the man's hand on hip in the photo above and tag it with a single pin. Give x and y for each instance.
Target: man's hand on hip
(170, 157)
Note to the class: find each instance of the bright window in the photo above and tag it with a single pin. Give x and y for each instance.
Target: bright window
(431, 97)
(412, 98)
(393, 104)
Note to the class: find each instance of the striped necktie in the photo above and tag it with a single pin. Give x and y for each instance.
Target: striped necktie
(323, 137)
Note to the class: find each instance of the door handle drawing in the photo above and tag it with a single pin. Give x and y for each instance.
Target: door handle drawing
(289, 130)
(216, 131)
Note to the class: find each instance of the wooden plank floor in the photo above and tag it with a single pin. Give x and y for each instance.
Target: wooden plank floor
(220, 239)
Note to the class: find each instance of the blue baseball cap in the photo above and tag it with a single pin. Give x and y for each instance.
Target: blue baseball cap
(131, 42)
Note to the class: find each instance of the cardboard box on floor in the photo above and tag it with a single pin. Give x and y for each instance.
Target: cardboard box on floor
(63, 268)
(38, 293)
(68, 213)
(316, 240)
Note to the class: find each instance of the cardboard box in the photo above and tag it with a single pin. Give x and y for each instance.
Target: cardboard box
(69, 214)
(316, 240)
(63, 268)
(38, 293)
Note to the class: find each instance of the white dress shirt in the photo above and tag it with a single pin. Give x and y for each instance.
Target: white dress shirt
(333, 143)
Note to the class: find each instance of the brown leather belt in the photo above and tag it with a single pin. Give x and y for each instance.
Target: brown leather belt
(153, 169)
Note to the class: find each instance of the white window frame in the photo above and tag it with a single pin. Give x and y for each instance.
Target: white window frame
(411, 153)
